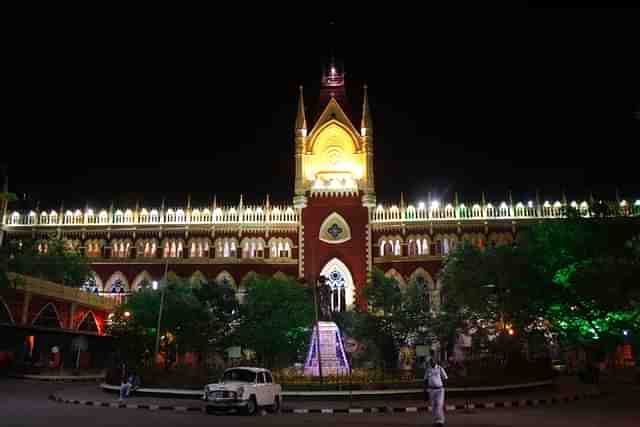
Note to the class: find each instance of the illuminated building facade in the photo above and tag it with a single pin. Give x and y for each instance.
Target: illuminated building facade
(333, 227)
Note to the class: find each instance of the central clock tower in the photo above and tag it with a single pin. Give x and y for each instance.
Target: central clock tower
(334, 193)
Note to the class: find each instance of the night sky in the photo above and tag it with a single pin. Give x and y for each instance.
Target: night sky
(542, 100)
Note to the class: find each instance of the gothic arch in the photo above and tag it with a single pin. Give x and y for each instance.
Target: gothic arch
(5, 308)
(224, 277)
(98, 280)
(115, 276)
(144, 275)
(338, 275)
(393, 273)
(246, 278)
(421, 272)
(88, 325)
(335, 229)
(42, 310)
(197, 278)
(279, 275)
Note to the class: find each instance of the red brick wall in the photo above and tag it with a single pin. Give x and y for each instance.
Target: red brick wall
(352, 253)
(210, 271)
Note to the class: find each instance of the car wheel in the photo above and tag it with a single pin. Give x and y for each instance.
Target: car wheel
(275, 408)
(252, 406)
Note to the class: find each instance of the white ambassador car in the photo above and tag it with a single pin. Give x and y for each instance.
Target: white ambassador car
(244, 389)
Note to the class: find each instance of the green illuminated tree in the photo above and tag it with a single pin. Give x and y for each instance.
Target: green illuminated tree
(592, 270)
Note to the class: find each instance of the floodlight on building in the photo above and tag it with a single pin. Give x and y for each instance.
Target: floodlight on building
(421, 205)
(435, 204)
(154, 284)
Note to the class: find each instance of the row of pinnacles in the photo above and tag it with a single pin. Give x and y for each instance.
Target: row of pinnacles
(433, 210)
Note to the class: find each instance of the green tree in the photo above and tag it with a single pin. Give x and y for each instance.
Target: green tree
(275, 319)
(198, 318)
(592, 272)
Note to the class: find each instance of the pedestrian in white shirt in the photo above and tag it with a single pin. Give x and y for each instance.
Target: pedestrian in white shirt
(434, 377)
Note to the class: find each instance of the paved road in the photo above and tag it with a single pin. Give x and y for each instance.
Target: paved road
(26, 404)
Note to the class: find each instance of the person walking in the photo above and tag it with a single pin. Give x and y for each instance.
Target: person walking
(434, 378)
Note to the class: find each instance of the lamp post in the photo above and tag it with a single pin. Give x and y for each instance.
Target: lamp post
(166, 268)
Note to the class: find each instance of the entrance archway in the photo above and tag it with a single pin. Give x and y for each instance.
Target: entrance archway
(341, 282)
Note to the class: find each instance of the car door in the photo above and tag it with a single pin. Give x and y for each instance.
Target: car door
(262, 390)
(271, 387)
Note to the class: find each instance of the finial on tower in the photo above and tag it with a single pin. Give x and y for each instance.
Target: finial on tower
(268, 202)
(241, 203)
(301, 120)
(189, 201)
(401, 200)
(366, 124)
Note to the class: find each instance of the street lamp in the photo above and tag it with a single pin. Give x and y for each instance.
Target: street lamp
(155, 286)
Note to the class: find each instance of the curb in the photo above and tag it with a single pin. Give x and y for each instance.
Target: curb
(338, 393)
(60, 379)
(555, 400)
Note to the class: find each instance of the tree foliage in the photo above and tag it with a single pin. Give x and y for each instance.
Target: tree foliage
(275, 319)
(59, 264)
(580, 277)
(197, 318)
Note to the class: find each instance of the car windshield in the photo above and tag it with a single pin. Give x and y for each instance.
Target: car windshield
(241, 375)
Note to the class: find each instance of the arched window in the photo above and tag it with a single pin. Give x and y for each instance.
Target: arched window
(423, 292)
(412, 248)
(397, 251)
(337, 283)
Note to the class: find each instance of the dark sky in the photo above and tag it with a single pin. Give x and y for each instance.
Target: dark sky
(534, 99)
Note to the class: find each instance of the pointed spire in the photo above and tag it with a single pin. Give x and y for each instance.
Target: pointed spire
(367, 124)
(301, 120)
(617, 196)
(401, 200)
(564, 198)
(241, 203)
(268, 203)
(484, 200)
(455, 199)
(189, 201)
(215, 202)
(162, 206)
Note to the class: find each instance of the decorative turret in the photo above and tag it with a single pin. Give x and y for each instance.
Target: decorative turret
(366, 125)
(301, 120)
